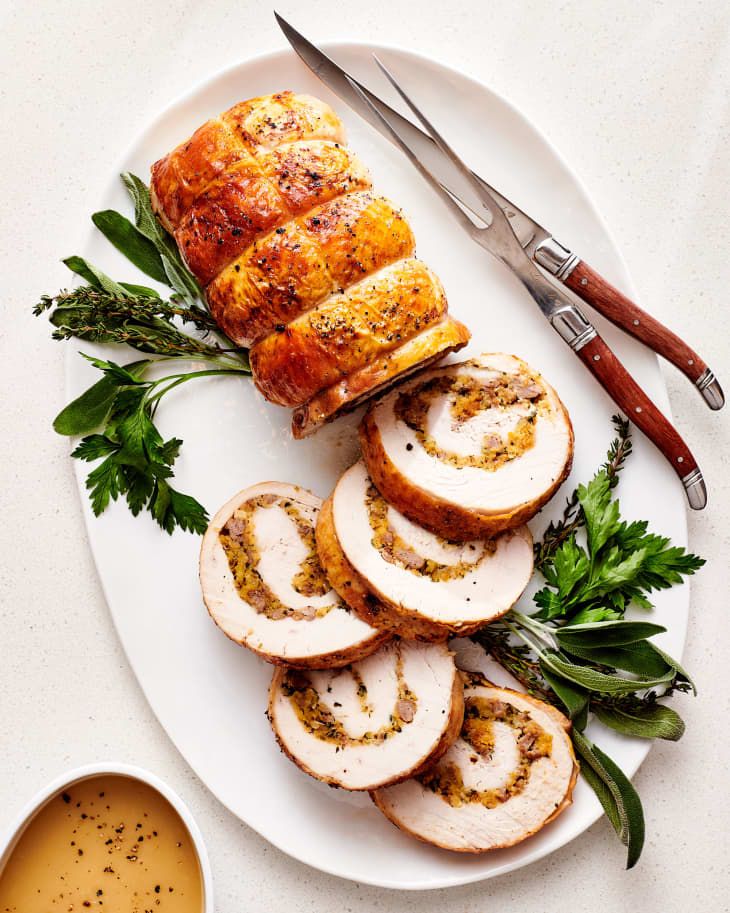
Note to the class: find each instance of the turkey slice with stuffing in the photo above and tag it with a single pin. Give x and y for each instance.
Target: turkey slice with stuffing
(471, 449)
(264, 587)
(373, 723)
(511, 771)
(395, 574)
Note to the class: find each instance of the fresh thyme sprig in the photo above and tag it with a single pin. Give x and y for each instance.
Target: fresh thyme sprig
(573, 517)
(102, 306)
(619, 450)
(144, 323)
(579, 653)
(116, 414)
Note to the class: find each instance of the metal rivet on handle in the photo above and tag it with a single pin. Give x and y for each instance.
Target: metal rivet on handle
(638, 409)
(690, 361)
(596, 358)
(584, 282)
(680, 459)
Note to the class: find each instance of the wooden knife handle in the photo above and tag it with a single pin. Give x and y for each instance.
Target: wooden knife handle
(629, 396)
(609, 301)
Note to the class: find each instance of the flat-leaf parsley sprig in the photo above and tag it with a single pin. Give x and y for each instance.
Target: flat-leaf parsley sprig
(579, 652)
(116, 414)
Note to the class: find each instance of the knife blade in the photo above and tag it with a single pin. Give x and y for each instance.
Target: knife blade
(528, 231)
(561, 263)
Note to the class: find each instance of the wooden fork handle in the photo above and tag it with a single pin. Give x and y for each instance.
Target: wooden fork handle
(629, 396)
(609, 301)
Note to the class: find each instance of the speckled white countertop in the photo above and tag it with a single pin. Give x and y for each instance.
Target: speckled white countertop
(636, 97)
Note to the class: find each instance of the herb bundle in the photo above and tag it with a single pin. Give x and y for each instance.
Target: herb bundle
(578, 652)
(117, 413)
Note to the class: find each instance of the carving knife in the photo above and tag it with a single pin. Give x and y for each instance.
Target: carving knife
(543, 249)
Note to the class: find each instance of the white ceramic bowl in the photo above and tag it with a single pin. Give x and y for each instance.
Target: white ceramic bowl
(71, 777)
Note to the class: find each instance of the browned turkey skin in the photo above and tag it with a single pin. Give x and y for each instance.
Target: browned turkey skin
(300, 261)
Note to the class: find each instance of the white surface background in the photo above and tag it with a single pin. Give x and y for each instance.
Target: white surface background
(636, 97)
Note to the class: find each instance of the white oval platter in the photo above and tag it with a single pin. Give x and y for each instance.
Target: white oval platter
(210, 694)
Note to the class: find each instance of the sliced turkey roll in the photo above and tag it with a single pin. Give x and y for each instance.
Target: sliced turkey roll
(373, 723)
(299, 260)
(264, 587)
(471, 449)
(510, 772)
(251, 127)
(346, 332)
(398, 575)
(256, 195)
(289, 271)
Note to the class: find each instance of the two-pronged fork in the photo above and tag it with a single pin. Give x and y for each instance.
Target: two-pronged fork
(523, 244)
(496, 235)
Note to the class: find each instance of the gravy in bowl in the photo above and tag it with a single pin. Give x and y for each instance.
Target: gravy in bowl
(109, 842)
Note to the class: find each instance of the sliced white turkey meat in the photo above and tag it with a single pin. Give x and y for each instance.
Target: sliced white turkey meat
(265, 588)
(510, 772)
(373, 723)
(471, 449)
(398, 575)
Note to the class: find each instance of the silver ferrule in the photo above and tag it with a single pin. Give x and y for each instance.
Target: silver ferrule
(696, 489)
(573, 327)
(710, 388)
(556, 259)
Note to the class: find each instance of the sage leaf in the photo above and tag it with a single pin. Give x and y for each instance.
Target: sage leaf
(139, 291)
(639, 658)
(599, 682)
(87, 411)
(605, 796)
(655, 721)
(626, 815)
(94, 276)
(574, 699)
(178, 276)
(679, 670)
(607, 633)
(129, 241)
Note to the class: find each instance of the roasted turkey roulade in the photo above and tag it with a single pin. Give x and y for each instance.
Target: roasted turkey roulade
(510, 772)
(373, 723)
(471, 449)
(264, 587)
(398, 575)
(299, 259)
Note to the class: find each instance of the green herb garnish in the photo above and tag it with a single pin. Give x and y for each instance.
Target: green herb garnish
(117, 412)
(621, 563)
(578, 652)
